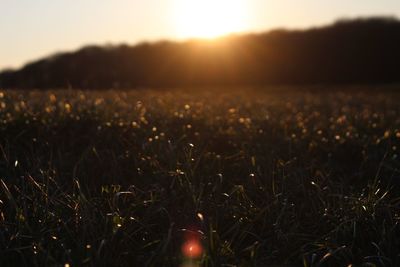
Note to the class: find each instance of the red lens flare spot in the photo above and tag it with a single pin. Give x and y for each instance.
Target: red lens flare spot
(192, 249)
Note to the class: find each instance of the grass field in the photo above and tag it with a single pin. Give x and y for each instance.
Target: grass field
(288, 177)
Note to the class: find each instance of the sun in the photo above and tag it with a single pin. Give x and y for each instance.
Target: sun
(209, 18)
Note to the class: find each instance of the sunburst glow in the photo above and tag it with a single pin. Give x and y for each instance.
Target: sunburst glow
(210, 18)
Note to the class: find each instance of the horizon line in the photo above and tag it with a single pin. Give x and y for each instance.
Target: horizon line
(200, 39)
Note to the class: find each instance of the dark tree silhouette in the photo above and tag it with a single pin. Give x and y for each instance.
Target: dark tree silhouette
(349, 51)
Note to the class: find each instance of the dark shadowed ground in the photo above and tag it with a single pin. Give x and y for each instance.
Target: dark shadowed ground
(125, 178)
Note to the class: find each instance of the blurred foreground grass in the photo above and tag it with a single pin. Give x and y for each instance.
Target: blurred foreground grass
(124, 178)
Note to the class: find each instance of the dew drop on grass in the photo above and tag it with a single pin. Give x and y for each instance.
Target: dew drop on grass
(364, 208)
(200, 216)
(386, 134)
(34, 249)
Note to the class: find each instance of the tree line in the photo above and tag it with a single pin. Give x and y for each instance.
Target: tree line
(348, 51)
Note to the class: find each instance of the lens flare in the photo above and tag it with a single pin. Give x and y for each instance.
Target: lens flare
(192, 249)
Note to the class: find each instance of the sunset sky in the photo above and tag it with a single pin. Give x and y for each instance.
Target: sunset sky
(33, 29)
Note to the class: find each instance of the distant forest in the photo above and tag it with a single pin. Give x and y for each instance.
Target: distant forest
(348, 51)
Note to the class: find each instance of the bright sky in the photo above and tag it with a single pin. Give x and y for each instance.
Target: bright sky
(30, 29)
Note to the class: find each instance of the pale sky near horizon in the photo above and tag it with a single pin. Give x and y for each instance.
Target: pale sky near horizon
(31, 29)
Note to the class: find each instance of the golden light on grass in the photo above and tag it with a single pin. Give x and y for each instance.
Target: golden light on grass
(210, 18)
